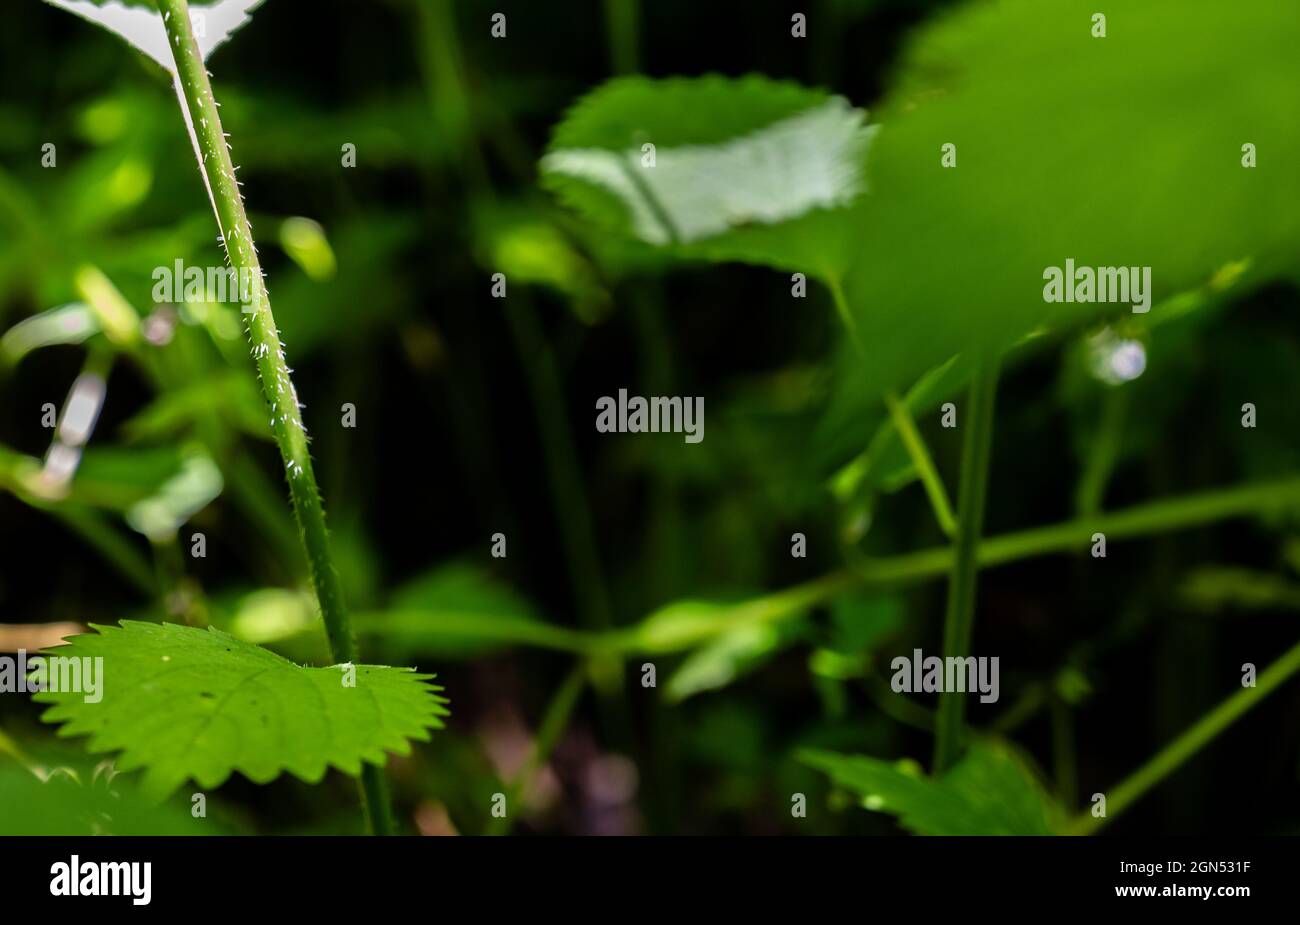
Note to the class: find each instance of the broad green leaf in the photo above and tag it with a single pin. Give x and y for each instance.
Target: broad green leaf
(189, 704)
(991, 791)
(459, 610)
(1116, 151)
(749, 169)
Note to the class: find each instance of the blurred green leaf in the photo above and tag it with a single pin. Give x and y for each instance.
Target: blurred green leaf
(232, 396)
(749, 169)
(727, 658)
(860, 622)
(1116, 151)
(1218, 588)
(86, 801)
(991, 791)
(458, 610)
(305, 242)
(179, 498)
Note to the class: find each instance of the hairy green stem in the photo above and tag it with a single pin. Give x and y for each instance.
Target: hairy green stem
(959, 621)
(268, 353)
(1173, 755)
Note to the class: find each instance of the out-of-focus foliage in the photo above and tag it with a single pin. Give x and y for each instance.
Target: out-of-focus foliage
(747, 169)
(989, 792)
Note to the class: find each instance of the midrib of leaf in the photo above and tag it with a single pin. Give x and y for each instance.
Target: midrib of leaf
(268, 352)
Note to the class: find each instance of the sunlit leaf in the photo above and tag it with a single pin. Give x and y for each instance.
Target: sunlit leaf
(750, 169)
(189, 704)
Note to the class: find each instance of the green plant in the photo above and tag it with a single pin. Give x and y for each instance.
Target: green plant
(908, 290)
(372, 709)
(769, 173)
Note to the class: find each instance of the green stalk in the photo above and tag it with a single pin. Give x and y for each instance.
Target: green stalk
(1104, 453)
(622, 23)
(554, 721)
(925, 468)
(1162, 516)
(1173, 755)
(268, 352)
(959, 621)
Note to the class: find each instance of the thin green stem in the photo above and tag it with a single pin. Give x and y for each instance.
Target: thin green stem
(910, 568)
(1173, 755)
(1103, 454)
(925, 468)
(1064, 753)
(1073, 535)
(959, 621)
(268, 353)
(842, 309)
(554, 721)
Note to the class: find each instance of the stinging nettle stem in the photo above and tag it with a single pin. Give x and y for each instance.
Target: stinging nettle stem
(268, 354)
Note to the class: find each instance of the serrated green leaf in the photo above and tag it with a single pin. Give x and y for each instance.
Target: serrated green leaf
(188, 704)
(991, 791)
(750, 169)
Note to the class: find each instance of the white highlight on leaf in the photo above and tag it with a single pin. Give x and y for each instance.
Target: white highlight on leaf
(812, 160)
(143, 27)
(144, 30)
